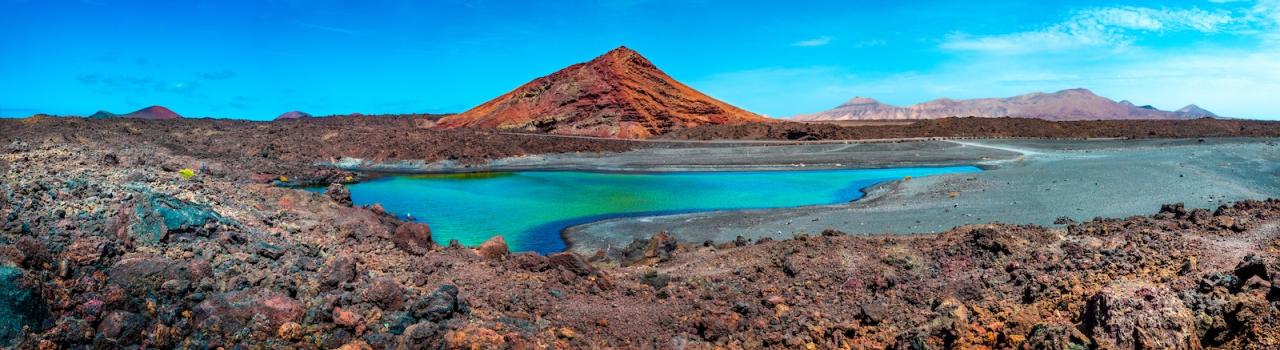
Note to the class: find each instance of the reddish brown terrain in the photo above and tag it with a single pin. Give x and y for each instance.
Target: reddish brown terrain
(152, 113)
(619, 94)
(104, 244)
(266, 151)
(1073, 104)
(986, 128)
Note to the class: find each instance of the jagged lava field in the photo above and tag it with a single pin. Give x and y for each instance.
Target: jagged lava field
(106, 244)
(151, 230)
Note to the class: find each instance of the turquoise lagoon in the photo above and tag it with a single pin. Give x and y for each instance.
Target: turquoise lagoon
(530, 208)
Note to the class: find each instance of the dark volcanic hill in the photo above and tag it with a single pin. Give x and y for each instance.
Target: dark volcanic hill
(619, 94)
(1073, 104)
(153, 112)
(294, 115)
(103, 115)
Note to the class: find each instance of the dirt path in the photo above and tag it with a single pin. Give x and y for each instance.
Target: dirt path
(1023, 151)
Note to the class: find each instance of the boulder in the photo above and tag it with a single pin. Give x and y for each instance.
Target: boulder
(122, 327)
(340, 269)
(872, 313)
(439, 306)
(20, 306)
(291, 331)
(571, 262)
(140, 276)
(422, 335)
(385, 292)
(1137, 315)
(157, 216)
(339, 193)
(1251, 266)
(495, 248)
(658, 248)
(413, 237)
(950, 317)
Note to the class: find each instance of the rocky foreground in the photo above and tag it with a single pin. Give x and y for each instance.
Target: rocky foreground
(112, 246)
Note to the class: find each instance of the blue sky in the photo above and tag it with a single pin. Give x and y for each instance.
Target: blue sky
(257, 59)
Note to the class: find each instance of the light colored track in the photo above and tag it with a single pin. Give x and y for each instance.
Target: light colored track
(1023, 151)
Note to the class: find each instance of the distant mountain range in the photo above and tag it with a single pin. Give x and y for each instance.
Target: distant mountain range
(153, 112)
(1073, 104)
(619, 94)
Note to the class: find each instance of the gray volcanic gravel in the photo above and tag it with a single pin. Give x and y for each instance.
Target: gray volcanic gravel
(1076, 179)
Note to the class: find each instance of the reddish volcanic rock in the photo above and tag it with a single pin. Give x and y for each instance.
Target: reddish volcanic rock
(494, 248)
(413, 237)
(619, 94)
(153, 112)
(294, 115)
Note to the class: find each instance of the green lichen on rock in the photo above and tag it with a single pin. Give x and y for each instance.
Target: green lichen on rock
(19, 306)
(157, 215)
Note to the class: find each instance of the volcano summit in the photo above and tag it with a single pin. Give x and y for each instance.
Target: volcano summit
(619, 94)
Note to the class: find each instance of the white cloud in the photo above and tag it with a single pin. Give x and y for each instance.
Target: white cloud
(819, 41)
(1098, 49)
(1231, 83)
(1095, 27)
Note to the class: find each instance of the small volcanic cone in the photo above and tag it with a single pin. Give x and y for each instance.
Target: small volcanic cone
(103, 115)
(154, 113)
(619, 94)
(1194, 111)
(294, 115)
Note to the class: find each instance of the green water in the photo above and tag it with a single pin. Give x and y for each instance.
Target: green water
(530, 209)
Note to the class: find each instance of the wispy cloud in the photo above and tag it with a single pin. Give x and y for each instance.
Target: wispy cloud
(327, 28)
(1095, 27)
(134, 85)
(1107, 54)
(819, 41)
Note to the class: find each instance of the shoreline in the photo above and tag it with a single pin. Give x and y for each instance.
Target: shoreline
(817, 156)
(1020, 190)
(864, 188)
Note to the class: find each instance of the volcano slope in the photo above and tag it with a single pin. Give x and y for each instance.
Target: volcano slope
(619, 94)
(105, 244)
